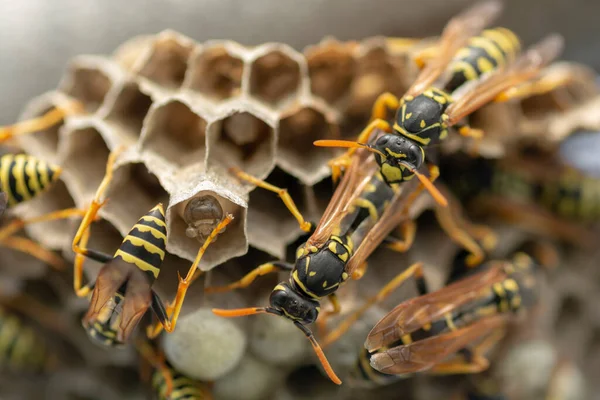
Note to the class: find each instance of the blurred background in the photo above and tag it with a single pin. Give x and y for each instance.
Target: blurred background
(39, 37)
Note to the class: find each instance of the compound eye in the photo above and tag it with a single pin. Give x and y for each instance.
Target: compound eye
(311, 315)
(278, 299)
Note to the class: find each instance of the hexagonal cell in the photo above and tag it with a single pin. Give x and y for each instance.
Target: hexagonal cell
(244, 140)
(166, 61)
(129, 110)
(51, 234)
(181, 222)
(87, 84)
(331, 67)
(274, 77)
(298, 129)
(133, 191)
(176, 133)
(84, 155)
(216, 73)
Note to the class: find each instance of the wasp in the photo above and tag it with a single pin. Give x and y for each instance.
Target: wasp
(50, 118)
(202, 214)
(449, 331)
(166, 382)
(122, 291)
(481, 71)
(362, 213)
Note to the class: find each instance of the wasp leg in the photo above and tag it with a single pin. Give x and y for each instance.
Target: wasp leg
(322, 320)
(415, 270)
(454, 225)
(47, 120)
(79, 245)
(545, 84)
(157, 361)
(175, 306)
(425, 55)
(282, 193)
(409, 230)
(247, 280)
(34, 249)
(478, 361)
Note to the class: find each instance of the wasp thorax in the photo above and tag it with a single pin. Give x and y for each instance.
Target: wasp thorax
(293, 304)
(202, 214)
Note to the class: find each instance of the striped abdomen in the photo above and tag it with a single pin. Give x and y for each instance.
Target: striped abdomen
(493, 48)
(24, 177)
(144, 246)
(22, 349)
(183, 387)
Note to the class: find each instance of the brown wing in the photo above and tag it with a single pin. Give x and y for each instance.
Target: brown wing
(414, 313)
(425, 354)
(357, 176)
(110, 278)
(456, 35)
(526, 67)
(137, 300)
(395, 213)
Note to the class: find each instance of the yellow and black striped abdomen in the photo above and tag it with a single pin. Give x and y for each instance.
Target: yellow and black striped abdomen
(22, 349)
(144, 246)
(183, 387)
(22, 177)
(484, 53)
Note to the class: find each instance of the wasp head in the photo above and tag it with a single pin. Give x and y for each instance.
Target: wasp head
(293, 305)
(401, 156)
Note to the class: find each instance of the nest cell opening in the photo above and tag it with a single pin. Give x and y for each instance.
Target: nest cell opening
(167, 63)
(85, 162)
(331, 70)
(217, 74)
(274, 77)
(90, 86)
(130, 109)
(176, 133)
(244, 140)
(298, 131)
(133, 192)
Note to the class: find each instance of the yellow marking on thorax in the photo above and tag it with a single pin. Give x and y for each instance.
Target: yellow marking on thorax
(304, 289)
(139, 242)
(19, 172)
(307, 263)
(31, 173)
(422, 124)
(138, 262)
(154, 219)
(301, 252)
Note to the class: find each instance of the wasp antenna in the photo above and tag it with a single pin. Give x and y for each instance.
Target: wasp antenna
(319, 352)
(435, 193)
(240, 312)
(347, 144)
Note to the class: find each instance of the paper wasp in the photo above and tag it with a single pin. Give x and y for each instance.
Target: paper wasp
(449, 331)
(166, 382)
(122, 291)
(483, 72)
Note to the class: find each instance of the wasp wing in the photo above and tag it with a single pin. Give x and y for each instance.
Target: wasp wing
(425, 354)
(358, 175)
(526, 67)
(456, 35)
(110, 278)
(137, 300)
(417, 312)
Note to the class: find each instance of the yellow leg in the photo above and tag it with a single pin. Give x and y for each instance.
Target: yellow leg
(425, 55)
(282, 193)
(359, 272)
(385, 101)
(47, 120)
(409, 231)
(184, 283)
(322, 320)
(467, 131)
(543, 85)
(343, 161)
(415, 270)
(247, 280)
(18, 224)
(81, 291)
(32, 248)
(157, 361)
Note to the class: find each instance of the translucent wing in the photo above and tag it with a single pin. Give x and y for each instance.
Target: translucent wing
(110, 278)
(414, 313)
(456, 35)
(357, 176)
(390, 219)
(137, 300)
(526, 67)
(425, 354)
